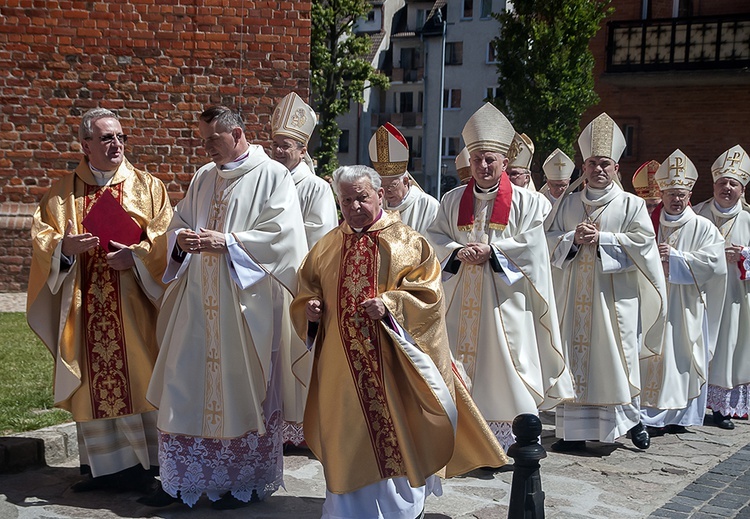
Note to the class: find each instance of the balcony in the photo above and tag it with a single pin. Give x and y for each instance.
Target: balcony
(679, 44)
(400, 120)
(411, 75)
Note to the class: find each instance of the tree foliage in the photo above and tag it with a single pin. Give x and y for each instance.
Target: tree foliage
(340, 70)
(545, 68)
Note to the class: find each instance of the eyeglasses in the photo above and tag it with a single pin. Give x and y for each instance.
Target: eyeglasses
(108, 138)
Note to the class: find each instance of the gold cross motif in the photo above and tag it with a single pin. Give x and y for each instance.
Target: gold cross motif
(734, 159)
(677, 166)
(560, 165)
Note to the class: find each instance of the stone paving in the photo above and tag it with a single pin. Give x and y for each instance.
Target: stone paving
(701, 474)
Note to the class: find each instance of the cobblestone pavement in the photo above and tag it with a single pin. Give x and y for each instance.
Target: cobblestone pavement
(13, 302)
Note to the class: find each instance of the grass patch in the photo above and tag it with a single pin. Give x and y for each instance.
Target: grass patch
(25, 379)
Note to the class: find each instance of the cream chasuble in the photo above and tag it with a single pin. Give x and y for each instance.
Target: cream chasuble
(317, 203)
(612, 303)
(98, 322)
(384, 400)
(730, 365)
(503, 325)
(674, 383)
(417, 209)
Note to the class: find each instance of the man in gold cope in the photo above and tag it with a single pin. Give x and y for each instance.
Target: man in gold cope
(94, 305)
(385, 410)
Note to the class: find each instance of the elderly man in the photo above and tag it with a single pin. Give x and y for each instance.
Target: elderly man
(611, 293)
(520, 155)
(729, 372)
(389, 153)
(674, 383)
(385, 411)
(292, 123)
(463, 166)
(235, 243)
(501, 315)
(558, 168)
(92, 299)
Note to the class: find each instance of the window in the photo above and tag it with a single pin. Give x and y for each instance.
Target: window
(421, 14)
(485, 10)
(454, 53)
(371, 15)
(682, 8)
(451, 146)
(492, 93)
(491, 56)
(405, 102)
(344, 141)
(468, 10)
(629, 131)
(452, 99)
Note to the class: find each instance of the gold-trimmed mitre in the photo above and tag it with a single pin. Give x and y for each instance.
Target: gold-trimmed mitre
(558, 166)
(644, 181)
(521, 151)
(602, 138)
(488, 130)
(677, 172)
(733, 163)
(293, 118)
(389, 151)
(463, 165)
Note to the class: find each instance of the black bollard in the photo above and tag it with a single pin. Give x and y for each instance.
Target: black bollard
(526, 494)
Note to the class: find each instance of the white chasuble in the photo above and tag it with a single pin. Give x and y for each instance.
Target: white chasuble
(417, 209)
(612, 302)
(502, 321)
(674, 383)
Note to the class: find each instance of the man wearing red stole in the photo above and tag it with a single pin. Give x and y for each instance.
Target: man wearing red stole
(501, 314)
(92, 299)
(386, 410)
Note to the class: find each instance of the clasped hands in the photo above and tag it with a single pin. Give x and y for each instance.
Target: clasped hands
(204, 241)
(733, 253)
(374, 308)
(474, 253)
(75, 244)
(586, 234)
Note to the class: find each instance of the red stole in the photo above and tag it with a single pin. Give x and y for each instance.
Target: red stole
(500, 208)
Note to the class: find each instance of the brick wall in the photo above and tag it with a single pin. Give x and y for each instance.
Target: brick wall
(156, 63)
(702, 116)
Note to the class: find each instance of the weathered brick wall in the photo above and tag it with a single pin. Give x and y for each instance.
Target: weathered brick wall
(701, 116)
(156, 63)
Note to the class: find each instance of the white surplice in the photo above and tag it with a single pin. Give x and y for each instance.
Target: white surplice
(316, 202)
(417, 209)
(221, 330)
(503, 325)
(611, 302)
(674, 383)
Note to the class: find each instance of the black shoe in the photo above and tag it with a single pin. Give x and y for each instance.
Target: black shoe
(639, 436)
(723, 422)
(158, 498)
(676, 429)
(229, 502)
(653, 432)
(568, 445)
(98, 483)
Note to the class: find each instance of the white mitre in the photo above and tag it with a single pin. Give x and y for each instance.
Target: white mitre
(521, 151)
(293, 118)
(558, 166)
(389, 151)
(602, 138)
(676, 172)
(733, 163)
(463, 165)
(488, 130)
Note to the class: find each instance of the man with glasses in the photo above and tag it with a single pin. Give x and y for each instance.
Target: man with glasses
(389, 153)
(93, 303)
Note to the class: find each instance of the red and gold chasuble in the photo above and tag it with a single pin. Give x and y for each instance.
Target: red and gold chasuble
(103, 330)
(360, 338)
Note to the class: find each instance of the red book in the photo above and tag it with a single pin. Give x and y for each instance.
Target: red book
(108, 221)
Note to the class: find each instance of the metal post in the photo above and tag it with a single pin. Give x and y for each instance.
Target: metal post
(526, 494)
(440, 105)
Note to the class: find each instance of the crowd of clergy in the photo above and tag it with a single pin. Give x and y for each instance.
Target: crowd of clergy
(397, 343)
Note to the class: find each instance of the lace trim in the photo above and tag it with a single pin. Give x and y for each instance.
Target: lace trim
(729, 402)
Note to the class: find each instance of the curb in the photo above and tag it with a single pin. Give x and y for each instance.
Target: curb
(48, 446)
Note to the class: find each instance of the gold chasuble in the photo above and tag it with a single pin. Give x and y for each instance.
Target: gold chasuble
(98, 322)
(384, 400)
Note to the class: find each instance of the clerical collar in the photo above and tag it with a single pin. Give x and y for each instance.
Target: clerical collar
(672, 217)
(399, 205)
(726, 210)
(101, 176)
(236, 162)
(367, 227)
(596, 193)
(479, 190)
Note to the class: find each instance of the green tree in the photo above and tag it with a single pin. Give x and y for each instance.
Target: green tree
(340, 70)
(545, 68)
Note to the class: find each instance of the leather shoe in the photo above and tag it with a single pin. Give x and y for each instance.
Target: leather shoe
(676, 429)
(158, 498)
(653, 432)
(639, 436)
(97, 483)
(723, 422)
(568, 445)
